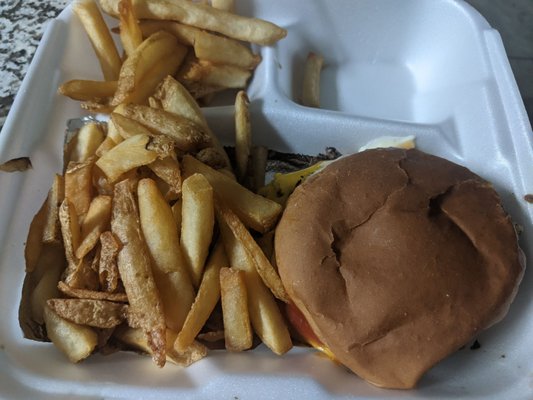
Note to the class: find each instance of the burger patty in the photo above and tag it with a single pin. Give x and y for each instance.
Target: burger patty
(397, 258)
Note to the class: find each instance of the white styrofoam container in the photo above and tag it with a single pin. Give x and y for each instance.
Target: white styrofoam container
(432, 68)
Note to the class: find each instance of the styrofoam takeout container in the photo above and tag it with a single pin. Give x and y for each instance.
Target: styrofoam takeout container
(432, 68)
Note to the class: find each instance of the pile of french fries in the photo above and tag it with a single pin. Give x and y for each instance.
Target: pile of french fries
(147, 241)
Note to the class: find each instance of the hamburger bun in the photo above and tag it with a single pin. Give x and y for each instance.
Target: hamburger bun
(396, 259)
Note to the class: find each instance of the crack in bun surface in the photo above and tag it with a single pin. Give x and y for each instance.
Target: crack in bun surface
(397, 258)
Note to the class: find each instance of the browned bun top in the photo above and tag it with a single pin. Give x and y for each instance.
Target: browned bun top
(397, 258)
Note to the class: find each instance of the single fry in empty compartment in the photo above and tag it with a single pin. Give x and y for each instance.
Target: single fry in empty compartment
(254, 210)
(265, 315)
(75, 341)
(101, 40)
(243, 134)
(197, 221)
(135, 269)
(168, 265)
(206, 299)
(237, 329)
(311, 80)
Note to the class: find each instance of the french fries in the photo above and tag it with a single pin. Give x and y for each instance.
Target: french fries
(136, 271)
(104, 47)
(130, 245)
(237, 329)
(203, 16)
(197, 220)
(170, 271)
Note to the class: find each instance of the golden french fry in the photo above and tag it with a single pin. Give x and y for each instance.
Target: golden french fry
(135, 268)
(311, 80)
(237, 329)
(104, 147)
(205, 301)
(254, 211)
(252, 30)
(90, 312)
(94, 224)
(127, 127)
(175, 99)
(87, 90)
(243, 134)
(107, 267)
(79, 185)
(266, 271)
(197, 221)
(75, 341)
(156, 57)
(212, 157)
(56, 194)
(154, 103)
(168, 265)
(91, 294)
(187, 135)
(125, 156)
(211, 336)
(168, 169)
(185, 34)
(130, 32)
(100, 37)
(265, 315)
(176, 212)
(211, 74)
(84, 144)
(70, 230)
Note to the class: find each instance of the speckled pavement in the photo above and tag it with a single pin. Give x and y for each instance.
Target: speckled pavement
(22, 23)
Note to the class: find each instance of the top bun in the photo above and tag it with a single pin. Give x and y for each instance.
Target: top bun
(397, 258)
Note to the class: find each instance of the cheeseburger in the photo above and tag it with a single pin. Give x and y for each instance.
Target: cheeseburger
(394, 259)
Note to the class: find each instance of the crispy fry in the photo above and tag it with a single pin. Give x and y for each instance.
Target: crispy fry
(206, 299)
(237, 329)
(197, 221)
(243, 134)
(90, 312)
(136, 270)
(19, 164)
(156, 57)
(76, 341)
(268, 274)
(84, 144)
(187, 135)
(226, 5)
(176, 212)
(107, 267)
(91, 294)
(127, 127)
(125, 156)
(255, 211)
(265, 315)
(94, 224)
(177, 100)
(79, 185)
(311, 80)
(168, 169)
(104, 47)
(86, 90)
(168, 265)
(130, 32)
(52, 228)
(203, 16)
(211, 74)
